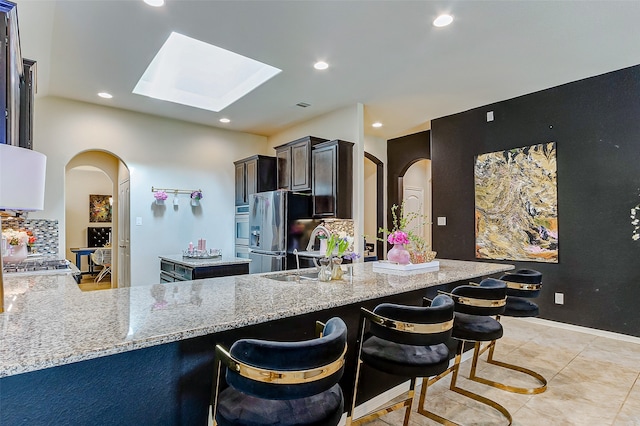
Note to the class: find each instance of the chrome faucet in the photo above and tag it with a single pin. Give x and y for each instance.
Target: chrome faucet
(295, 252)
(314, 235)
(312, 240)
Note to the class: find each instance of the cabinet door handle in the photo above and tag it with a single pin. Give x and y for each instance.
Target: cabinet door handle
(122, 246)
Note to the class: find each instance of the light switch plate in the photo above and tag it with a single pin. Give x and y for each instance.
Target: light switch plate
(442, 221)
(489, 116)
(138, 221)
(559, 298)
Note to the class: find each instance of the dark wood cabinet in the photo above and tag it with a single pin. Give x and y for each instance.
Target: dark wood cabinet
(332, 167)
(294, 163)
(254, 174)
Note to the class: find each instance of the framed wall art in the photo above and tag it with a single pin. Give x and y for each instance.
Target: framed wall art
(99, 208)
(516, 204)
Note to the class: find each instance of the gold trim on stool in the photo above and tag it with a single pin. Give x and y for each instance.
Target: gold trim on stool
(523, 286)
(408, 327)
(280, 377)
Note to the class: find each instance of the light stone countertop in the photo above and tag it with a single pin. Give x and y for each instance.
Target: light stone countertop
(199, 263)
(49, 322)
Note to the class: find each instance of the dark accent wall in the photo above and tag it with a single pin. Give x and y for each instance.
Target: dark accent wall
(402, 152)
(596, 125)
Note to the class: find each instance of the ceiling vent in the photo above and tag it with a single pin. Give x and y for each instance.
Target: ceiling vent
(303, 104)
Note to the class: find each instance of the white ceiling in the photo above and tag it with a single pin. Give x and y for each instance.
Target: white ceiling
(384, 54)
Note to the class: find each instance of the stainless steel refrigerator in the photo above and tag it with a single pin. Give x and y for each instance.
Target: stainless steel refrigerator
(279, 222)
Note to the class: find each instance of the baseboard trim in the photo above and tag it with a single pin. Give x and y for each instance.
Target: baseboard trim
(586, 330)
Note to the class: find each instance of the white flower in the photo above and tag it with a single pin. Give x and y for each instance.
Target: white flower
(635, 237)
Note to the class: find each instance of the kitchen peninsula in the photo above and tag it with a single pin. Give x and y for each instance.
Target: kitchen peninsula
(144, 354)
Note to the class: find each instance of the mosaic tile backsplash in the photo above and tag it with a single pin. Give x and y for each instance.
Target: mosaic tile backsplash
(45, 231)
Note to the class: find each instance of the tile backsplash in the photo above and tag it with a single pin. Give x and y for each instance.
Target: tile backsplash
(339, 226)
(45, 230)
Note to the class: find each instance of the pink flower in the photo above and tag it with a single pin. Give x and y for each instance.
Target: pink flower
(398, 237)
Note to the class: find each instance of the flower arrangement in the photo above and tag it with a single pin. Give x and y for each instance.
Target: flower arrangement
(398, 237)
(401, 223)
(401, 233)
(336, 241)
(351, 256)
(17, 238)
(160, 195)
(197, 195)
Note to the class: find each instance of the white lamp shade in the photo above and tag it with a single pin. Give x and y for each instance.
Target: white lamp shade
(22, 176)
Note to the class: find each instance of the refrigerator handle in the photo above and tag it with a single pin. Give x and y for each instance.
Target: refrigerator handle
(256, 238)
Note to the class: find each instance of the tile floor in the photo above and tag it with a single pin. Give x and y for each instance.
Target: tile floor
(594, 379)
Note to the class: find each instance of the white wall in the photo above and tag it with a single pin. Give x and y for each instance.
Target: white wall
(80, 184)
(159, 152)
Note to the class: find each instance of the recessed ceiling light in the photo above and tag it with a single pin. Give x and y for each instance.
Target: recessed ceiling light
(225, 120)
(105, 95)
(320, 65)
(443, 20)
(154, 3)
(377, 124)
(198, 74)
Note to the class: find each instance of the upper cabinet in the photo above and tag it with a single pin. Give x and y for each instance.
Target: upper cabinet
(332, 165)
(294, 163)
(254, 174)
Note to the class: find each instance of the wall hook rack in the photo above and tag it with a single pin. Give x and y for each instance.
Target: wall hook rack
(175, 190)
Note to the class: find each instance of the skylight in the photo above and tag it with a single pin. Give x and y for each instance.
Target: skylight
(194, 73)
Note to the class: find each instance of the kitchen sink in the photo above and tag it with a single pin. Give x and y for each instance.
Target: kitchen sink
(292, 276)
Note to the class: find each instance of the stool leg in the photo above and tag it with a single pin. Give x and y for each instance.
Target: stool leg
(478, 350)
(406, 402)
(426, 382)
(473, 395)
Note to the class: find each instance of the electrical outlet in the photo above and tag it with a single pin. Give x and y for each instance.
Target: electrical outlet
(442, 221)
(489, 116)
(559, 298)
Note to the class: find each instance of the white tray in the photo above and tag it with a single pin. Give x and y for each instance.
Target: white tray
(385, 265)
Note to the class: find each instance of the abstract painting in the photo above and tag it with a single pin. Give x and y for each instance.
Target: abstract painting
(517, 204)
(99, 208)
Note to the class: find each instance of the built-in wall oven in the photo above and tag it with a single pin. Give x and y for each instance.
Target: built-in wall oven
(242, 226)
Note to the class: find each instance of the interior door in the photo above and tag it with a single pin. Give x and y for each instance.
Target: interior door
(414, 203)
(124, 231)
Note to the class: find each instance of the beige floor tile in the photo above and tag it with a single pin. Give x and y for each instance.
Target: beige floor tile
(633, 399)
(527, 416)
(625, 354)
(593, 381)
(628, 416)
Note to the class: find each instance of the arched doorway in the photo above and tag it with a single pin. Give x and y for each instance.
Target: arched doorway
(95, 212)
(416, 195)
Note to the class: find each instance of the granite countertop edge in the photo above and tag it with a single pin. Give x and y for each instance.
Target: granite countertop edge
(58, 359)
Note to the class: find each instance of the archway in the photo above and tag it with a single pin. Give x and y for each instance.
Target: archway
(95, 212)
(415, 186)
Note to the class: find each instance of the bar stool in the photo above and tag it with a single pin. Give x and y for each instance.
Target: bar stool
(283, 383)
(475, 306)
(406, 341)
(522, 285)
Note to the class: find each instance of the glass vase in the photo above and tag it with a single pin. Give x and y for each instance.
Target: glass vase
(15, 253)
(325, 269)
(336, 269)
(399, 254)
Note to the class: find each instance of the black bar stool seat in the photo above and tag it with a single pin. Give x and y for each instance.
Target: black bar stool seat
(283, 383)
(405, 341)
